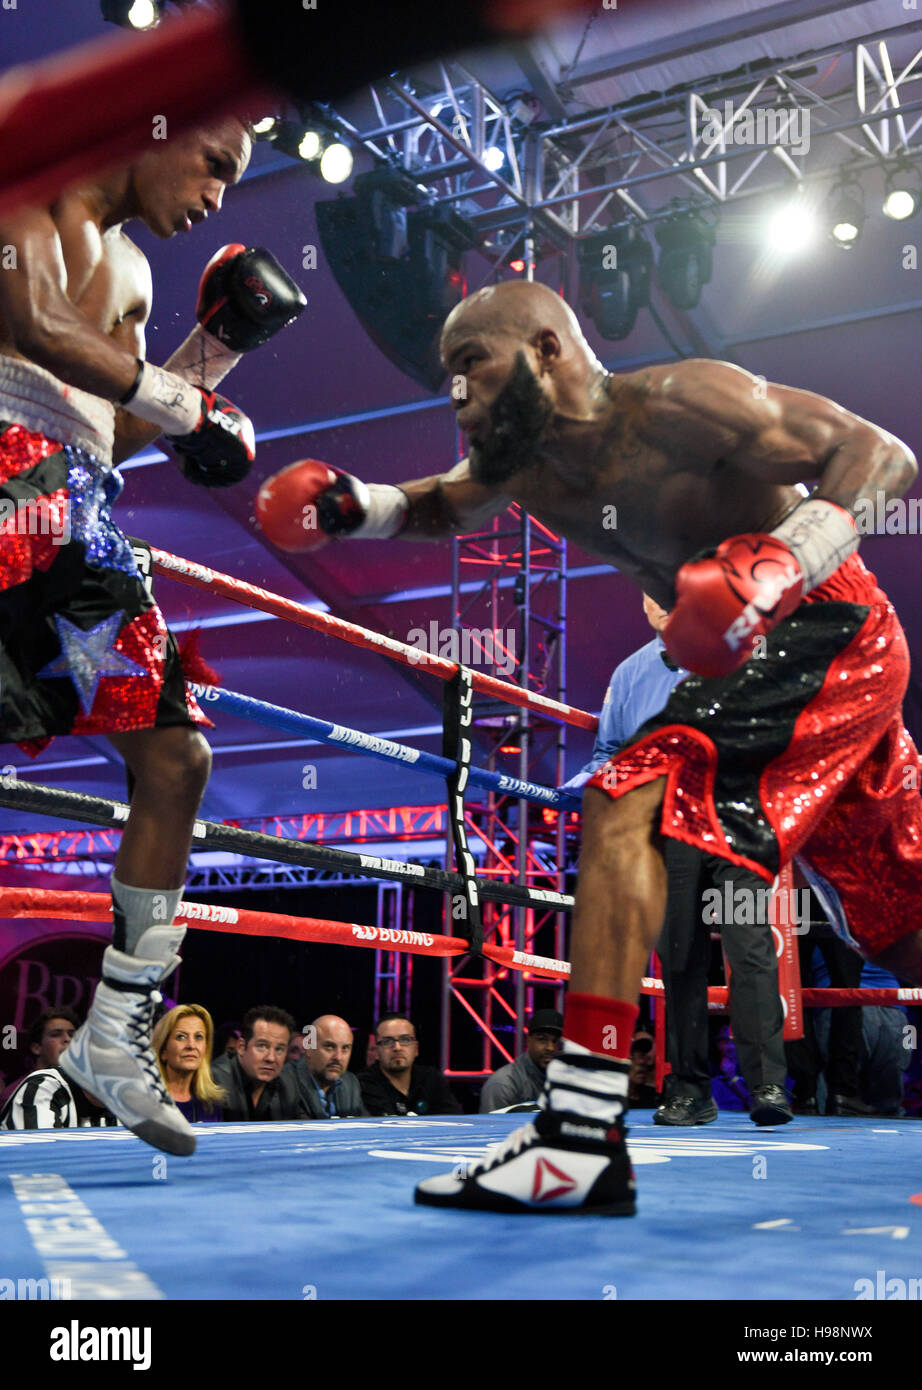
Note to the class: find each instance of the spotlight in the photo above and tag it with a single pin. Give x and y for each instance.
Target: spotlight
(336, 162)
(791, 227)
(685, 263)
(132, 14)
(316, 145)
(266, 128)
(310, 145)
(845, 213)
(903, 192)
(615, 270)
(493, 158)
(518, 266)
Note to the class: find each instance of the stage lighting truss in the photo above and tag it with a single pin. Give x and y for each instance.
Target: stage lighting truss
(762, 129)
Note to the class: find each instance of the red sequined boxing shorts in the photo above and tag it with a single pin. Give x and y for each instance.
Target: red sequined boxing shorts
(801, 752)
(83, 646)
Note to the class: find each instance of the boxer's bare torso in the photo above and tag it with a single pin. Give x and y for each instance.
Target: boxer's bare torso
(650, 500)
(101, 272)
(672, 461)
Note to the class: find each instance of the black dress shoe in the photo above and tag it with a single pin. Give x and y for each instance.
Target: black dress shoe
(853, 1106)
(805, 1107)
(770, 1106)
(686, 1110)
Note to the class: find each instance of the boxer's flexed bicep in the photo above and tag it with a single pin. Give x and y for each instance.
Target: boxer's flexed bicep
(449, 502)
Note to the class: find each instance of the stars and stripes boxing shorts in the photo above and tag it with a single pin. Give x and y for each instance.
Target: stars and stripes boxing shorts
(801, 752)
(84, 648)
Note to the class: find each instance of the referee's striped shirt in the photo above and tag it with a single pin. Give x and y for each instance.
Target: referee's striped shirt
(45, 1099)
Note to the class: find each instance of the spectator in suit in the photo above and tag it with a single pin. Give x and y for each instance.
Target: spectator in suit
(258, 1084)
(521, 1081)
(397, 1084)
(325, 1084)
(182, 1043)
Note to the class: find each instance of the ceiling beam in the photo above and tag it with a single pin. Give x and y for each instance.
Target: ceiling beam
(702, 37)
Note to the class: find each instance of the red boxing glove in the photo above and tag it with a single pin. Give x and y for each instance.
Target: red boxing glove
(286, 506)
(726, 603)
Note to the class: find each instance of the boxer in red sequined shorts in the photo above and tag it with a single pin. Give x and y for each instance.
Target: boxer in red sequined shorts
(801, 751)
(83, 646)
(689, 479)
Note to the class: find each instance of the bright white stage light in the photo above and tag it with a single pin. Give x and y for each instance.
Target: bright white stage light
(336, 163)
(791, 228)
(143, 14)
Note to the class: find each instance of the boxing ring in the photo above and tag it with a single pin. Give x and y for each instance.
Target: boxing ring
(726, 1212)
(323, 1210)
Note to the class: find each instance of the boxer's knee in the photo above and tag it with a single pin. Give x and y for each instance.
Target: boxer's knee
(614, 825)
(169, 765)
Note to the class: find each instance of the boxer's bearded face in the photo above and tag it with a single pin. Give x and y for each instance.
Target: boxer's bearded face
(519, 420)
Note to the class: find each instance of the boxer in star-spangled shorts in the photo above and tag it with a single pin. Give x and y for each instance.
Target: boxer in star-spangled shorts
(786, 740)
(83, 646)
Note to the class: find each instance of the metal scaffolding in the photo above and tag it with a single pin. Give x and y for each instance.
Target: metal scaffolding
(522, 628)
(522, 181)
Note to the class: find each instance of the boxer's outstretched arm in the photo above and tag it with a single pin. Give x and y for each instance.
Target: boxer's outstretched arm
(449, 502)
(780, 434)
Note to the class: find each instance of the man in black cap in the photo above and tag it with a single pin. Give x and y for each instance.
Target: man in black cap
(521, 1081)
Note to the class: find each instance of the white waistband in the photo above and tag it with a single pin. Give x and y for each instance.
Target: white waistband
(33, 398)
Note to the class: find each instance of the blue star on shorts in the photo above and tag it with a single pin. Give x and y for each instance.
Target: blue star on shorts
(88, 656)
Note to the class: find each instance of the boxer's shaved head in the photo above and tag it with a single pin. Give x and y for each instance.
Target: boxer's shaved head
(516, 309)
(519, 362)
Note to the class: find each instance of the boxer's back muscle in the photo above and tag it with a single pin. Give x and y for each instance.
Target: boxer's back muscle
(652, 498)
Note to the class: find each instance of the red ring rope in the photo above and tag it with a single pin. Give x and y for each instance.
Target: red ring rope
(201, 577)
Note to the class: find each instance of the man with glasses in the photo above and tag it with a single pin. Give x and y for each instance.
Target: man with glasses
(397, 1084)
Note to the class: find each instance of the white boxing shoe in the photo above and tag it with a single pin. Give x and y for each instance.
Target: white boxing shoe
(558, 1164)
(110, 1054)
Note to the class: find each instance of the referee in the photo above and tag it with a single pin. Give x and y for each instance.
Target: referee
(45, 1099)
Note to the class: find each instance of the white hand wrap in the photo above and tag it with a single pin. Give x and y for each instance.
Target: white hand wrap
(386, 507)
(166, 401)
(820, 535)
(203, 360)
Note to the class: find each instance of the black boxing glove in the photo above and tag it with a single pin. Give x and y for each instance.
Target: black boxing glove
(221, 448)
(245, 297)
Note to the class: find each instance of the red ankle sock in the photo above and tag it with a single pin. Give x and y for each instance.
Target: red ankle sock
(605, 1026)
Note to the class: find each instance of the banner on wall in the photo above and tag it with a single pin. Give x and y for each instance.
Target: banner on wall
(44, 963)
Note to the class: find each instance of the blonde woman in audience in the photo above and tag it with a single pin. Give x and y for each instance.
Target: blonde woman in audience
(182, 1043)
